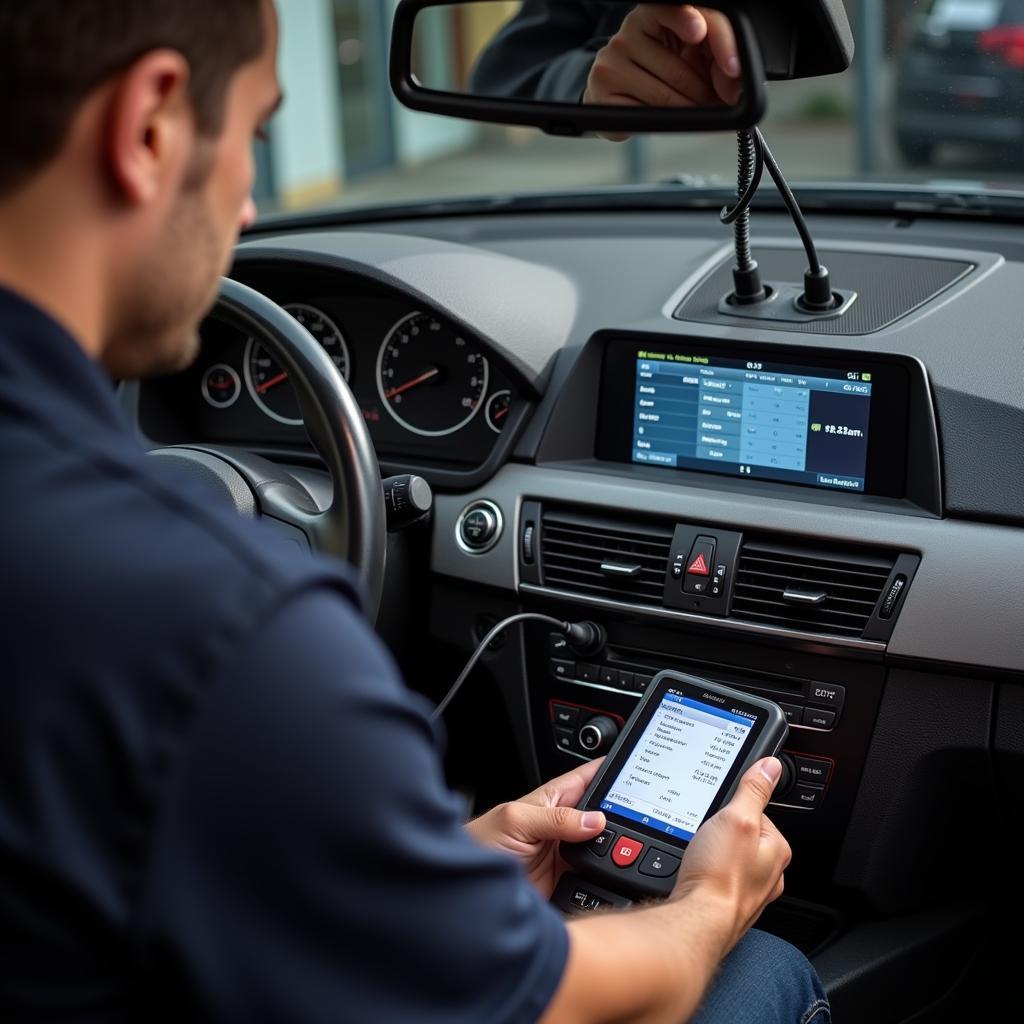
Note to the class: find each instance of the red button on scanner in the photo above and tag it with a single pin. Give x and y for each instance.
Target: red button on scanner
(625, 851)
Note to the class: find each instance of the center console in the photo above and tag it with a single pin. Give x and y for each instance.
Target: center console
(579, 702)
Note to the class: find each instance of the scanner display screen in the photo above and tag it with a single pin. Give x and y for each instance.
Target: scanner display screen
(678, 764)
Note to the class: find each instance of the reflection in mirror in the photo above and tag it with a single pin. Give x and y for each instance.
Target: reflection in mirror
(580, 51)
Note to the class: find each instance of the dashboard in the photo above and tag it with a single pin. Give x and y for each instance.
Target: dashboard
(827, 513)
(431, 392)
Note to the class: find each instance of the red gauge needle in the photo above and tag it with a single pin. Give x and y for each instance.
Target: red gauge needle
(272, 383)
(421, 379)
(501, 413)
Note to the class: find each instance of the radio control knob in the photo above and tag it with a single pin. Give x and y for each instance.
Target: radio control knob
(598, 734)
(787, 778)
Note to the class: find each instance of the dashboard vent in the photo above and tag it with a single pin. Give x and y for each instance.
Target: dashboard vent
(814, 590)
(602, 558)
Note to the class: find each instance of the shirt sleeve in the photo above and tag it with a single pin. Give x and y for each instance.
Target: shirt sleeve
(544, 53)
(309, 862)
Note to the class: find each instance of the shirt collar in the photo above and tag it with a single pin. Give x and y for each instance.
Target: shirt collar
(46, 375)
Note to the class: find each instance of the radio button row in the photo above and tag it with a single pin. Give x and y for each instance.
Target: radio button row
(565, 716)
(819, 718)
(565, 739)
(828, 695)
(812, 770)
(804, 795)
(793, 712)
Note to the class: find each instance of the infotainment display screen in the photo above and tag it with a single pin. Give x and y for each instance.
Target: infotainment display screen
(840, 426)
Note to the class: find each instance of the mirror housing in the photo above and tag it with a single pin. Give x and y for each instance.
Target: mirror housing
(573, 119)
(777, 39)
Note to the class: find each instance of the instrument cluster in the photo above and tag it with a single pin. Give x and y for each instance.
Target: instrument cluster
(427, 388)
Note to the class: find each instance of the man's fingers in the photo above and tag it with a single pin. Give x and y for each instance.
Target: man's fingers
(757, 785)
(729, 90)
(722, 42)
(681, 76)
(615, 74)
(567, 789)
(532, 824)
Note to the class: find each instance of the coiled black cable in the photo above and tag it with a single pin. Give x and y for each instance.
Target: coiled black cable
(747, 287)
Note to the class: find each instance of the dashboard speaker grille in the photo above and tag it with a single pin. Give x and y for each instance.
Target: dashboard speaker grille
(602, 558)
(809, 589)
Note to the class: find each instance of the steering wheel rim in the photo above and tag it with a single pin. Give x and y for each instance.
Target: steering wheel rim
(353, 526)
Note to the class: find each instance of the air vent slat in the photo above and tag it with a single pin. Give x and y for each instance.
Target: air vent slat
(574, 547)
(848, 576)
(570, 550)
(853, 582)
(771, 595)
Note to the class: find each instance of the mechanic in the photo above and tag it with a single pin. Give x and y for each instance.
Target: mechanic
(573, 51)
(217, 799)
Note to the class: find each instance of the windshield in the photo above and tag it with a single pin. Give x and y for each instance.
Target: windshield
(935, 96)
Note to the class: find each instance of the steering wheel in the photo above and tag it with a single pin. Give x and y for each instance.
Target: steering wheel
(353, 526)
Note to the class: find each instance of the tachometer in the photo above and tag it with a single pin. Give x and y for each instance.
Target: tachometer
(498, 406)
(430, 378)
(267, 380)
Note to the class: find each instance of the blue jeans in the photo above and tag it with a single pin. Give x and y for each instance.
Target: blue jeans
(765, 981)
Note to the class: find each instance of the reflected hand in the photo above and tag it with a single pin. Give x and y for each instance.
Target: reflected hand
(532, 827)
(668, 57)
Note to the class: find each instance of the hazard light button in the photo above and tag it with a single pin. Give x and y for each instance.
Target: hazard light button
(699, 566)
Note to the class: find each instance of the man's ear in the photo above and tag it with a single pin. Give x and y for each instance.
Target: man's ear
(151, 128)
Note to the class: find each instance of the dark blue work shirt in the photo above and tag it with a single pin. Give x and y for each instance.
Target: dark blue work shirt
(217, 799)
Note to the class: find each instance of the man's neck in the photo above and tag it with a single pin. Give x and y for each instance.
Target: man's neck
(55, 263)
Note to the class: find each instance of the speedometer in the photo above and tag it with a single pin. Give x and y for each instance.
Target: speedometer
(267, 380)
(429, 377)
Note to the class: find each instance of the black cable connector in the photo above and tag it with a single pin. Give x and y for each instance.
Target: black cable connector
(748, 288)
(818, 296)
(584, 637)
(747, 285)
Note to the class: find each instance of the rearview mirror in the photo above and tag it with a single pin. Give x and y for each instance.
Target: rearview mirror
(571, 67)
(610, 66)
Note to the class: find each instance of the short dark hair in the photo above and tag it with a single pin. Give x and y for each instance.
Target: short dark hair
(54, 53)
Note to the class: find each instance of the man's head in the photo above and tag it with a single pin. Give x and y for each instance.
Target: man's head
(132, 121)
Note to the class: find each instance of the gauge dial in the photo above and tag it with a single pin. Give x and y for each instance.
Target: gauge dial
(267, 380)
(498, 406)
(430, 378)
(221, 386)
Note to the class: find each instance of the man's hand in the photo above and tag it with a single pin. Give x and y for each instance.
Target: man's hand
(531, 828)
(668, 57)
(737, 858)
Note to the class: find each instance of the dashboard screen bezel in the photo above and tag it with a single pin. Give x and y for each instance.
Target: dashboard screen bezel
(888, 425)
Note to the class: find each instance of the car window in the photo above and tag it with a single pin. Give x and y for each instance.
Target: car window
(936, 93)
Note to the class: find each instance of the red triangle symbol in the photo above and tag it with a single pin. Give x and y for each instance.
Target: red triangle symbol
(699, 567)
